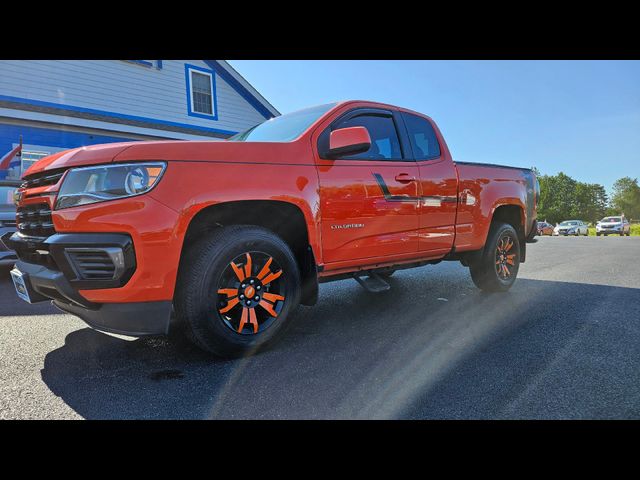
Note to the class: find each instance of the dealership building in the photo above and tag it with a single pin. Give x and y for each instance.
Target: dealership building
(59, 104)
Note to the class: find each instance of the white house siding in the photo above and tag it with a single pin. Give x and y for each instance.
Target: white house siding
(124, 88)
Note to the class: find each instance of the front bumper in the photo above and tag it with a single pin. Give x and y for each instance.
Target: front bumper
(134, 319)
(58, 267)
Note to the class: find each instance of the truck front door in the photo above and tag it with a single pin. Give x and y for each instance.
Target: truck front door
(369, 201)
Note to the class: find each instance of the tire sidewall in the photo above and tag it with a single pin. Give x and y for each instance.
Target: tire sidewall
(206, 324)
(484, 273)
(503, 230)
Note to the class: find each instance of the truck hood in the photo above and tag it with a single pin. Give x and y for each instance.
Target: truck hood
(194, 151)
(78, 157)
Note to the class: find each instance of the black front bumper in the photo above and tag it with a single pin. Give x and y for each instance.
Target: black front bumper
(57, 267)
(135, 318)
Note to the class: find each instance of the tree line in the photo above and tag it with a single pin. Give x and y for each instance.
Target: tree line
(564, 198)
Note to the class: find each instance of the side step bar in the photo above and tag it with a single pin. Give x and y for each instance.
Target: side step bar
(374, 283)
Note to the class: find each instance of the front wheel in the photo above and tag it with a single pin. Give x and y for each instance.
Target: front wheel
(236, 289)
(497, 268)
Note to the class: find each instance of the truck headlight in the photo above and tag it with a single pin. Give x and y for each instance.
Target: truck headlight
(85, 185)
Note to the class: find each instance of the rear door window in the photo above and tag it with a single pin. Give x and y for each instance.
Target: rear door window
(422, 137)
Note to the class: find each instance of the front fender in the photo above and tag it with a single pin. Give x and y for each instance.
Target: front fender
(189, 187)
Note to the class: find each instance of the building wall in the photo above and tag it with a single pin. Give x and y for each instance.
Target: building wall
(135, 95)
(40, 142)
(62, 104)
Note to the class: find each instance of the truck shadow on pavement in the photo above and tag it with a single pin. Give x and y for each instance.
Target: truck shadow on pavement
(432, 347)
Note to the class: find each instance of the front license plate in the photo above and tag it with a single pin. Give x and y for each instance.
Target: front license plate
(20, 284)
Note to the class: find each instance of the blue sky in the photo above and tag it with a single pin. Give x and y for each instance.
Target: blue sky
(579, 117)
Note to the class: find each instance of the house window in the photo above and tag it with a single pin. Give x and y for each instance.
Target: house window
(28, 158)
(201, 92)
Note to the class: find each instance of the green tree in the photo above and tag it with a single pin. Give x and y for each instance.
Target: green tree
(590, 202)
(557, 197)
(626, 198)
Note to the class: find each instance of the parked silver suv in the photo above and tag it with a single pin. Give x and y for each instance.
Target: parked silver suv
(611, 225)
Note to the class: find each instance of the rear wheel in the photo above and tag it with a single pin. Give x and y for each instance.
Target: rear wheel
(236, 290)
(497, 268)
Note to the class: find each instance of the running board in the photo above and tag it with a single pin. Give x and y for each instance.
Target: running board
(374, 283)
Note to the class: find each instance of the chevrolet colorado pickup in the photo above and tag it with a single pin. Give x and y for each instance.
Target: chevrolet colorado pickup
(226, 238)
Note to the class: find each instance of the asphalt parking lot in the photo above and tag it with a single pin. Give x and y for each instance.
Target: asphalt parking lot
(564, 343)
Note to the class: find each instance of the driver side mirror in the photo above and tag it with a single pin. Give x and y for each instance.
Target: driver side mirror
(348, 141)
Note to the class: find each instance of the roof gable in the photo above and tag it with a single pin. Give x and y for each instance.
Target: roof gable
(244, 88)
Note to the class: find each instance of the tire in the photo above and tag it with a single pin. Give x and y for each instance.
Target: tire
(484, 272)
(207, 268)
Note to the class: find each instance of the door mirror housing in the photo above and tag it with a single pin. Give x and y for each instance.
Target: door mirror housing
(348, 141)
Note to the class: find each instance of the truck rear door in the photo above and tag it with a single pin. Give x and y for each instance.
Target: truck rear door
(438, 186)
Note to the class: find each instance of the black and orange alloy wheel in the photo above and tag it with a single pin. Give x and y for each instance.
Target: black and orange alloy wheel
(505, 260)
(497, 267)
(251, 293)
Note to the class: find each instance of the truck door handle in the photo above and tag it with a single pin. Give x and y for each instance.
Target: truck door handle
(405, 178)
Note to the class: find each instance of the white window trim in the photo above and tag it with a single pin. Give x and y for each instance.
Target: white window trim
(213, 105)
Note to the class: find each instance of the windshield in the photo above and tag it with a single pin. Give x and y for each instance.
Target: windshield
(612, 219)
(567, 224)
(283, 128)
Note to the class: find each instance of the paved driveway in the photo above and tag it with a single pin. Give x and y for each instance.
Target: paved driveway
(563, 343)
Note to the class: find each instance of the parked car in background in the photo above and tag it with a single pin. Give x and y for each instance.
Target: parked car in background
(611, 225)
(545, 228)
(571, 227)
(7, 219)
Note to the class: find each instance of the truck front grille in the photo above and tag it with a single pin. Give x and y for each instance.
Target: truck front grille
(35, 220)
(42, 179)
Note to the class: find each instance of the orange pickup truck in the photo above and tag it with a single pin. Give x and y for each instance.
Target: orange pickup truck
(225, 238)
